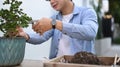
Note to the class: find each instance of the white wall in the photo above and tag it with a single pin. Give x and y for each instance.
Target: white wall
(37, 9)
(105, 6)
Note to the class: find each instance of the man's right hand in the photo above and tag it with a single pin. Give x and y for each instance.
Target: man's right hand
(22, 33)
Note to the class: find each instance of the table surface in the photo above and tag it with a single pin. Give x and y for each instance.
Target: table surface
(31, 63)
(39, 63)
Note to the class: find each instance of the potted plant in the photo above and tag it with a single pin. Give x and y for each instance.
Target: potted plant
(12, 48)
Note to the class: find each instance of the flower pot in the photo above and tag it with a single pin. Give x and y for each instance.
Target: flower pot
(11, 51)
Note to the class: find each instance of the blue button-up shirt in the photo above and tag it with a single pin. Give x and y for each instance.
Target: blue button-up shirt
(81, 29)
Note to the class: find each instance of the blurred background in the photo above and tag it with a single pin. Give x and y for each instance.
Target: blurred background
(108, 38)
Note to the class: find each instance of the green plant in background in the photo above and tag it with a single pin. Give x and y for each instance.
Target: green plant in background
(12, 17)
(97, 8)
(116, 41)
(114, 9)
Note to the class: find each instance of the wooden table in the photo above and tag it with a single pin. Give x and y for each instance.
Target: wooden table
(31, 63)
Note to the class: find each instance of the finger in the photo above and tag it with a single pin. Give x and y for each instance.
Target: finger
(41, 33)
(39, 28)
(42, 30)
(36, 24)
(36, 28)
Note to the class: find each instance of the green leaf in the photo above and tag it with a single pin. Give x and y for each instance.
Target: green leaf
(12, 17)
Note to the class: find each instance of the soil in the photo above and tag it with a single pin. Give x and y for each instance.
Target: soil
(85, 58)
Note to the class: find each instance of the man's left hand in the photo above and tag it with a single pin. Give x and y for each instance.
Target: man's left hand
(42, 25)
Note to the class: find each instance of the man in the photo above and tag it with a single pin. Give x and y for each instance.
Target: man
(72, 30)
(108, 25)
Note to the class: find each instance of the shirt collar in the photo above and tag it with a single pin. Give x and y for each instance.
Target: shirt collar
(75, 11)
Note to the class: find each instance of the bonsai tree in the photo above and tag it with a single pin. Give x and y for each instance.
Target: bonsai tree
(12, 18)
